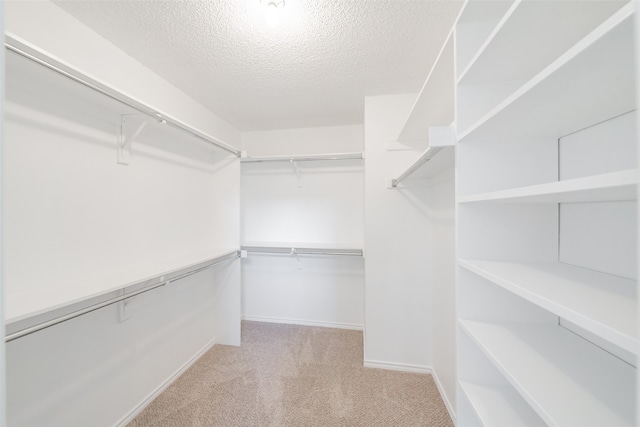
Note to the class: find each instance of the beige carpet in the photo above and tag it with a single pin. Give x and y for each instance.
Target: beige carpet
(287, 375)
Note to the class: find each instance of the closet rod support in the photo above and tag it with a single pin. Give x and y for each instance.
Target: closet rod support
(126, 138)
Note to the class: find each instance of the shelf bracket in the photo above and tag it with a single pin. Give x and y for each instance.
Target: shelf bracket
(297, 255)
(127, 134)
(298, 172)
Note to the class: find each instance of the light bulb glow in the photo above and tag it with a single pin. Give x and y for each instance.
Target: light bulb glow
(272, 15)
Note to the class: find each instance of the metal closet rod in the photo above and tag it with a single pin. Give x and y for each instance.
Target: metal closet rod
(44, 325)
(301, 251)
(105, 90)
(424, 158)
(304, 158)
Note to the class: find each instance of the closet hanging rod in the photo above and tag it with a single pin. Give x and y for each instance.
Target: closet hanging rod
(301, 251)
(424, 158)
(77, 313)
(40, 58)
(304, 158)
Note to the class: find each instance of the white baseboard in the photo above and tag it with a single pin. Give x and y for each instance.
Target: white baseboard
(405, 367)
(302, 322)
(445, 398)
(150, 398)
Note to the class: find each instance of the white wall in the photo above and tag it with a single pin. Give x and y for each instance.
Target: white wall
(442, 218)
(79, 224)
(398, 318)
(324, 209)
(638, 163)
(2, 347)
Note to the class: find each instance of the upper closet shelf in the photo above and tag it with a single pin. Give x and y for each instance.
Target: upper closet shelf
(440, 138)
(525, 35)
(566, 380)
(476, 27)
(591, 82)
(614, 186)
(304, 158)
(601, 303)
(435, 103)
(294, 251)
(303, 248)
(26, 50)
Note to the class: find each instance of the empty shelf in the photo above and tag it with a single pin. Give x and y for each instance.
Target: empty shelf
(499, 406)
(613, 186)
(601, 303)
(593, 81)
(565, 379)
(288, 250)
(304, 158)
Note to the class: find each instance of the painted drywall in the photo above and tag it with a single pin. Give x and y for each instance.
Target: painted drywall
(2, 347)
(442, 218)
(308, 290)
(638, 163)
(79, 223)
(324, 207)
(398, 270)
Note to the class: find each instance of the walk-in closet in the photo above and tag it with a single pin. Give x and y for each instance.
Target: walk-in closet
(320, 213)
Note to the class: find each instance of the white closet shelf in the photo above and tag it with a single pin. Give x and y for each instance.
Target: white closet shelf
(477, 23)
(492, 27)
(612, 186)
(598, 302)
(499, 406)
(302, 249)
(442, 138)
(29, 305)
(591, 82)
(434, 105)
(565, 379)
(544, 32)
(304, 158)
(127, 104)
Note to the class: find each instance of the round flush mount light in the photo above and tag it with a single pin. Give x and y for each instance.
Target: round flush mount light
(272, 11)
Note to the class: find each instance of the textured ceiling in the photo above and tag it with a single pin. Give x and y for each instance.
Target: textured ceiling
(314, 69)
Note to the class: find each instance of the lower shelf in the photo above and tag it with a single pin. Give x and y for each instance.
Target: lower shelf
(498, 406)
(566, 380)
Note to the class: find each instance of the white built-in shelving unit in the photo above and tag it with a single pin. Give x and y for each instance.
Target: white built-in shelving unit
(547, 213)
(428, 128)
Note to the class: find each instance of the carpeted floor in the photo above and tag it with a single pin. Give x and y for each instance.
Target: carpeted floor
(288, 375)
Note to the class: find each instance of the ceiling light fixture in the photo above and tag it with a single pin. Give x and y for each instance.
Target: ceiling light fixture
(272, 11)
